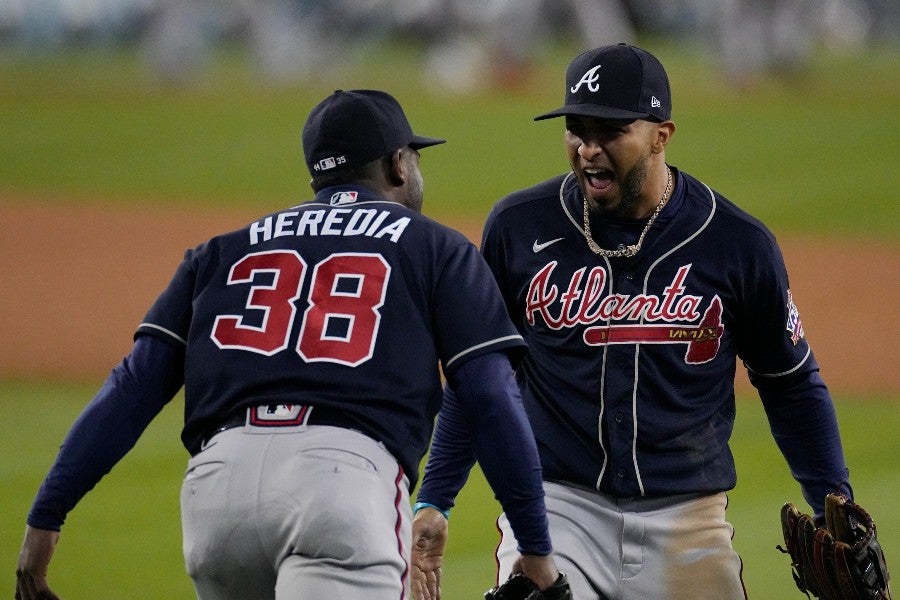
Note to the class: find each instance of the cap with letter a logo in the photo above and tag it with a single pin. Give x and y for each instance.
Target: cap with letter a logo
(616, 82)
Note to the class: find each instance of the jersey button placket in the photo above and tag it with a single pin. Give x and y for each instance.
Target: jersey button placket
(618, 421)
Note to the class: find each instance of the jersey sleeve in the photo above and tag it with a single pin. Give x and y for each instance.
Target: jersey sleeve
(170, 315)
(471, 318)
(452, 455)
(783, 368)
(133, 394)
(804, 425)
(483, 417)
(493, 249)
(772, 343)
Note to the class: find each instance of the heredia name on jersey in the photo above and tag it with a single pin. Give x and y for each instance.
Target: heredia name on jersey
(369, 222)
(673, 317)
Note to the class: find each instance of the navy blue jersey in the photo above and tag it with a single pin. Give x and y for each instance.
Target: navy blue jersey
(629, 378)
(347, 302)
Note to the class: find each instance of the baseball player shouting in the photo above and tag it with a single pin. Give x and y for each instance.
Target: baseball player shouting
(308, 344)
(638, 288)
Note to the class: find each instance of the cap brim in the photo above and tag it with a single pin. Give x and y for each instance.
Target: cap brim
(419, 141)
(592, 110)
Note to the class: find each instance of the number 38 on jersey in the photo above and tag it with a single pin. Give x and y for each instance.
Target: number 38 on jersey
(341, 320)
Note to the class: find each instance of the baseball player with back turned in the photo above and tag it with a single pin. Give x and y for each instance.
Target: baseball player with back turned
(637, 288)
(308, 344)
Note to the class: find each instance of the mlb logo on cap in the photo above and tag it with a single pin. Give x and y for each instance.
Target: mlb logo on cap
(326, 163)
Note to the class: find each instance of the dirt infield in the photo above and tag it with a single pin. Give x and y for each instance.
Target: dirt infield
(77, 280)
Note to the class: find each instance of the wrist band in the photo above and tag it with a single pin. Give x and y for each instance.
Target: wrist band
(420, 505)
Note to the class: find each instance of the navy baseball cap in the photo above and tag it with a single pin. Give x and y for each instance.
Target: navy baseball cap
(616, 82)
(352, 128)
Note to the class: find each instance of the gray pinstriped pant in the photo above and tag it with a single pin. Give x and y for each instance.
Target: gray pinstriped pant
(296, 512)
(673, 548)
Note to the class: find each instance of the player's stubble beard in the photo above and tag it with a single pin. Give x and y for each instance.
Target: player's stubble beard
(630, 191)
(632, 185)
(415, 191)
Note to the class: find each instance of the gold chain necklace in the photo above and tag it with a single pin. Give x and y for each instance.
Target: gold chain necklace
(623, 250)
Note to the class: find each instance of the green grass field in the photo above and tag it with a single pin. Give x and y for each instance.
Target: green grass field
(124, 539)
(816, 155)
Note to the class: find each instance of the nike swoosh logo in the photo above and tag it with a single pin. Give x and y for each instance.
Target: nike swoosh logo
(538, 247)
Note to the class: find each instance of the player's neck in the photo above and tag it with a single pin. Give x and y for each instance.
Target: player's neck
(656, 194)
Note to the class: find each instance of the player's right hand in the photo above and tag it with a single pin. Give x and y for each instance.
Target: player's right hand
(34, 559)
(429, 539)
(541, 570)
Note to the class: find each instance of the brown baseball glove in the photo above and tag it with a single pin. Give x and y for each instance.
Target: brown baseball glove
(840, 561)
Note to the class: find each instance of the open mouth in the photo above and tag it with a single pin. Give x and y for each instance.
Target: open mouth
(598, 180)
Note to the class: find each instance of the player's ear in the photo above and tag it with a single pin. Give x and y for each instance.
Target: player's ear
(397, 174)
(663, 133)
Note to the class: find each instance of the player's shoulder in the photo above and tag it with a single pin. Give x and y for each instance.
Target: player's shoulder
(218, 244)
(540, 192)
(249, 234)
(435, 231)
(726, 214)
(537, 197)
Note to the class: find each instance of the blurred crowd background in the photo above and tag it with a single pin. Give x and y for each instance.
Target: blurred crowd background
(464, 43)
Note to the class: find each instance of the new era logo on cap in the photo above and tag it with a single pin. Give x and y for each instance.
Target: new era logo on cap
(616, 82)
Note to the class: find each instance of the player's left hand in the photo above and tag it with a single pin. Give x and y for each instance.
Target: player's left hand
(842, 559)
(429, 538)
(34, 559)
